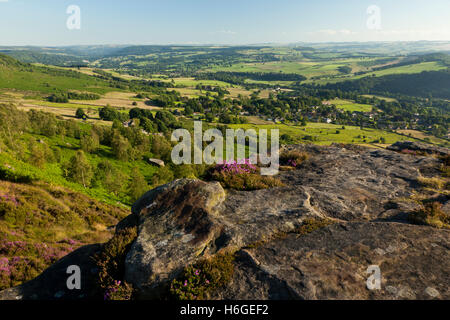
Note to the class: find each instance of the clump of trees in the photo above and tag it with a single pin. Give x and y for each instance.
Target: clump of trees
(80, 114)
(109, 113)
(64, 97)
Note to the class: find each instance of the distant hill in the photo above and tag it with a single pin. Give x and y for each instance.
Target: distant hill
(42, 79)
(8, 62)
(61, 60)
(425, 84)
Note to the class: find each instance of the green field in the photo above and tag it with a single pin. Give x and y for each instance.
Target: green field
(326, 134)
(350, 106)
(68, 105)
(408, 69)
(307, 69)
(38, 80)
(191, 82)
(414, 68)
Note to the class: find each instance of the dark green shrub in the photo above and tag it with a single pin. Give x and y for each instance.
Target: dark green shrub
(111, 264)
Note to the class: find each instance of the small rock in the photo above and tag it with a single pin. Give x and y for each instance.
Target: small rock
(392, 290)
(432, 292)
(157, 162)
(406, 293)
(391, 249)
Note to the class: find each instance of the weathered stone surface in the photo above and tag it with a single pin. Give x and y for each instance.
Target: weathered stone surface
(366, 192)
(332, 264)
(177, 223)
(418, 146)
(345, 185)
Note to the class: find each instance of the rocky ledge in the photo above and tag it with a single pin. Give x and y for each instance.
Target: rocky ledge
(364, 195)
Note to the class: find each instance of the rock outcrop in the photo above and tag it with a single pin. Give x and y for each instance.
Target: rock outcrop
(332, 263)
(418, 146)
(177, 223)
(365, 193)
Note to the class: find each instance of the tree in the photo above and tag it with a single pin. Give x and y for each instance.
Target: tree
(114, 181)
(110, 114)
(167, 118)
(90, 143)
(303, 122)
(137, 185)
(225, 118)
(109, 177)
(120, 147)
(58, 98)
(161, 147)
(345, 69)
(148, 125)
(37, 156)
(78, 169)
(163, 175)
(209, 117)
(188, 111)
(80, 114)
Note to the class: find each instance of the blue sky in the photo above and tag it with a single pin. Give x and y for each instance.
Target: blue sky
(43, 22)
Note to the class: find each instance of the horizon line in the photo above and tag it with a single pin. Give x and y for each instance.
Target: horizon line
(230, 45)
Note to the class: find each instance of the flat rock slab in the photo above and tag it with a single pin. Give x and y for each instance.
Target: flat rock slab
(332, 263)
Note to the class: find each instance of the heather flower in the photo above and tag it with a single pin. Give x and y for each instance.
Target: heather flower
(236, 167)
(4, 266)
(292, 163)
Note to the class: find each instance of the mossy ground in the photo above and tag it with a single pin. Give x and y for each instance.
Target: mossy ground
(246, 181)
(293, 158)
(309, 225)
(436, 190)
(197, 281)
(431, 214)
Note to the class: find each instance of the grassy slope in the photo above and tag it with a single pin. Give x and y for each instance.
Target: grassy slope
(40, 223)
(25, 77)
(52, 172)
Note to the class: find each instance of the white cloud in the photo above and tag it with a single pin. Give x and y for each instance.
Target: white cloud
(412, 34)
(227, 32)
(332, 32)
